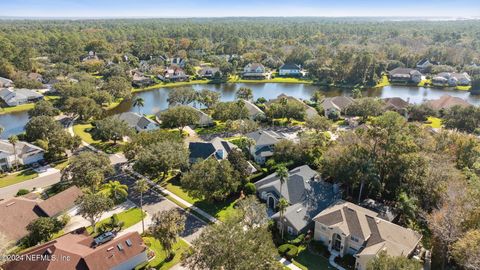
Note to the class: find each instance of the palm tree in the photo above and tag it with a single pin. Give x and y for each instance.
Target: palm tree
(138, 102)
(142, 186)
(282, 174)
(282, 206)
(115, 190)
(13, 140)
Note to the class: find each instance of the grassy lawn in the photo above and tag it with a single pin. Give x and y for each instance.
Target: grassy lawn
(307, 260)
(383, 82)
(284, 122)
(19, 108)
(158, 261)
(237, 79)
(172, 84)
(463, 88)
(219, 127)
(83, 131)
(59, 165)
(423, 82)
(434, 122)
(17, 177)
(220, 210)
(129, 217)
(114, 104)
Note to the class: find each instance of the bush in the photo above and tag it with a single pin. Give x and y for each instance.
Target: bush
(64, 219)
(299, 240)
(288, 250)
(250, 189)
(22, 192)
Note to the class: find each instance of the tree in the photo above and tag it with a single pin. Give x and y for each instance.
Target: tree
(42, 229)
(235, 110)
(208, 98)
(420, 112)
(179, 117)
(466, 251)
(159, 158)
(43, 108)
(115, 190)
(282, 174)
(211, 180)
(282, 207)
(112, 128)
(166, 227)
(138, 103)
(13, 140)
(242, 126)
(385, 262)
(253, 212)
(318, 123)
(142, 186)
(365, 107)
(244, 93)
(182, 96)
(240, 164)
(87, 169)
(118, 87)
(92, 205)
(83, 107)
(286, 108)
(233, 245)
(41, 127)
(466, 119)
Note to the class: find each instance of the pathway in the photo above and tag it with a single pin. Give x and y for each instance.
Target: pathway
(332, 262)
(289, 264)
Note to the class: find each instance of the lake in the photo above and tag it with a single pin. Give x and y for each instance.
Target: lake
(156, 100)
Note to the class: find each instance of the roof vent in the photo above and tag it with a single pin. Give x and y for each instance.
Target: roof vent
(129, 242)
(110, 249)
(120, 247)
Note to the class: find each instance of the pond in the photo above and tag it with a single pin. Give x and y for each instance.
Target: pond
(156, 100)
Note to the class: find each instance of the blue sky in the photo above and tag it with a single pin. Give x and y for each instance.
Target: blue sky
(225, 8)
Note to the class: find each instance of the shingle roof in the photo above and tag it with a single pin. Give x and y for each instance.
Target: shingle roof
(395, 103)
(265, 137)
(339, 102)
(10, 95)
(82, 255)
(203, 150)
(446, 102)
(290, 66)
(253, 110)
(404, 72)
(61, 201)
(23, 148)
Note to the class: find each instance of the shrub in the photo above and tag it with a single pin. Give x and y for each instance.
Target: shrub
(299, 240)
(288, 250)
(64, 219)
(250, 189)
(22, 191)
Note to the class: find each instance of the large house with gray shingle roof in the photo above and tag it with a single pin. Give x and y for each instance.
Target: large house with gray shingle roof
(347, 228)
(254, 112)
(306, 193)
(216, 148)
(4, 82)
(337, 105)
(15, 97)
(265, 141)
(138, 122)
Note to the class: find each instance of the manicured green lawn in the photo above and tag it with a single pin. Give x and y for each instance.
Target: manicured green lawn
(173, 84)
(129, 218)
(59, 165)
(463, 88)
(219, 127)
(17, 178)
(307, 260)
(434, 122)
(237, 79)
(19, 108)
(159, 261)
(423, 82)
(220, 210)
(83, 131)
(383, 82)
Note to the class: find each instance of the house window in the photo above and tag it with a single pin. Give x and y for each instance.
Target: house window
(290, 230)
(354, 239)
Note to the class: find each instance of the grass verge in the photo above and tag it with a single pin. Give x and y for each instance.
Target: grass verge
(129, 218)
(18, 177)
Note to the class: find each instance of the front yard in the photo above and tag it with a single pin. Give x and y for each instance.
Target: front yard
(308, 261)
(83, 131)
(18, 177)
(158, 262)
(129, 218)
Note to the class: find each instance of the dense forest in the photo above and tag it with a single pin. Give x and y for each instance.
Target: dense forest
(353, 51)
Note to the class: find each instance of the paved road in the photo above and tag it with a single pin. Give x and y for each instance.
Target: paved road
(153, 202)
(45, 181)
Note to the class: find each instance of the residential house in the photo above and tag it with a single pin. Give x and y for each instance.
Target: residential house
(90, 56)
(451, 79)
(446, 102)
(208, 72)
(424, 63)
(204, 119)
(254, 112)
(178, 61)
(309, 111)
(173, 73)
(306, 193)
(24, 154)
(384, 211)
(35, 76)
(15, 97)
(138, 122)
(396, 104)
(336, 105)
(23, 210)
(77, 250)
(404, 75)
(140, 80)
(5, 83)
(265, 141)
(216, 148)
(347, 228)
(290, 69)
(255, 71)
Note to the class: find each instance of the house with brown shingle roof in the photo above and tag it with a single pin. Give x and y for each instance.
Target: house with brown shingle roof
(396, 104)
(446, 102)
(77, 251)
(347, 228)
(18, 212)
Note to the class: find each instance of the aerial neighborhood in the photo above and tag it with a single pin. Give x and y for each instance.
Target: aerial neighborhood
(258, 143)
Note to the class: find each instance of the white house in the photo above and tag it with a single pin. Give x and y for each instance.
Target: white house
(451, 79)
(4, 82)
(346, 228)
(255, 71)
(26, 154)
(290, 70)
